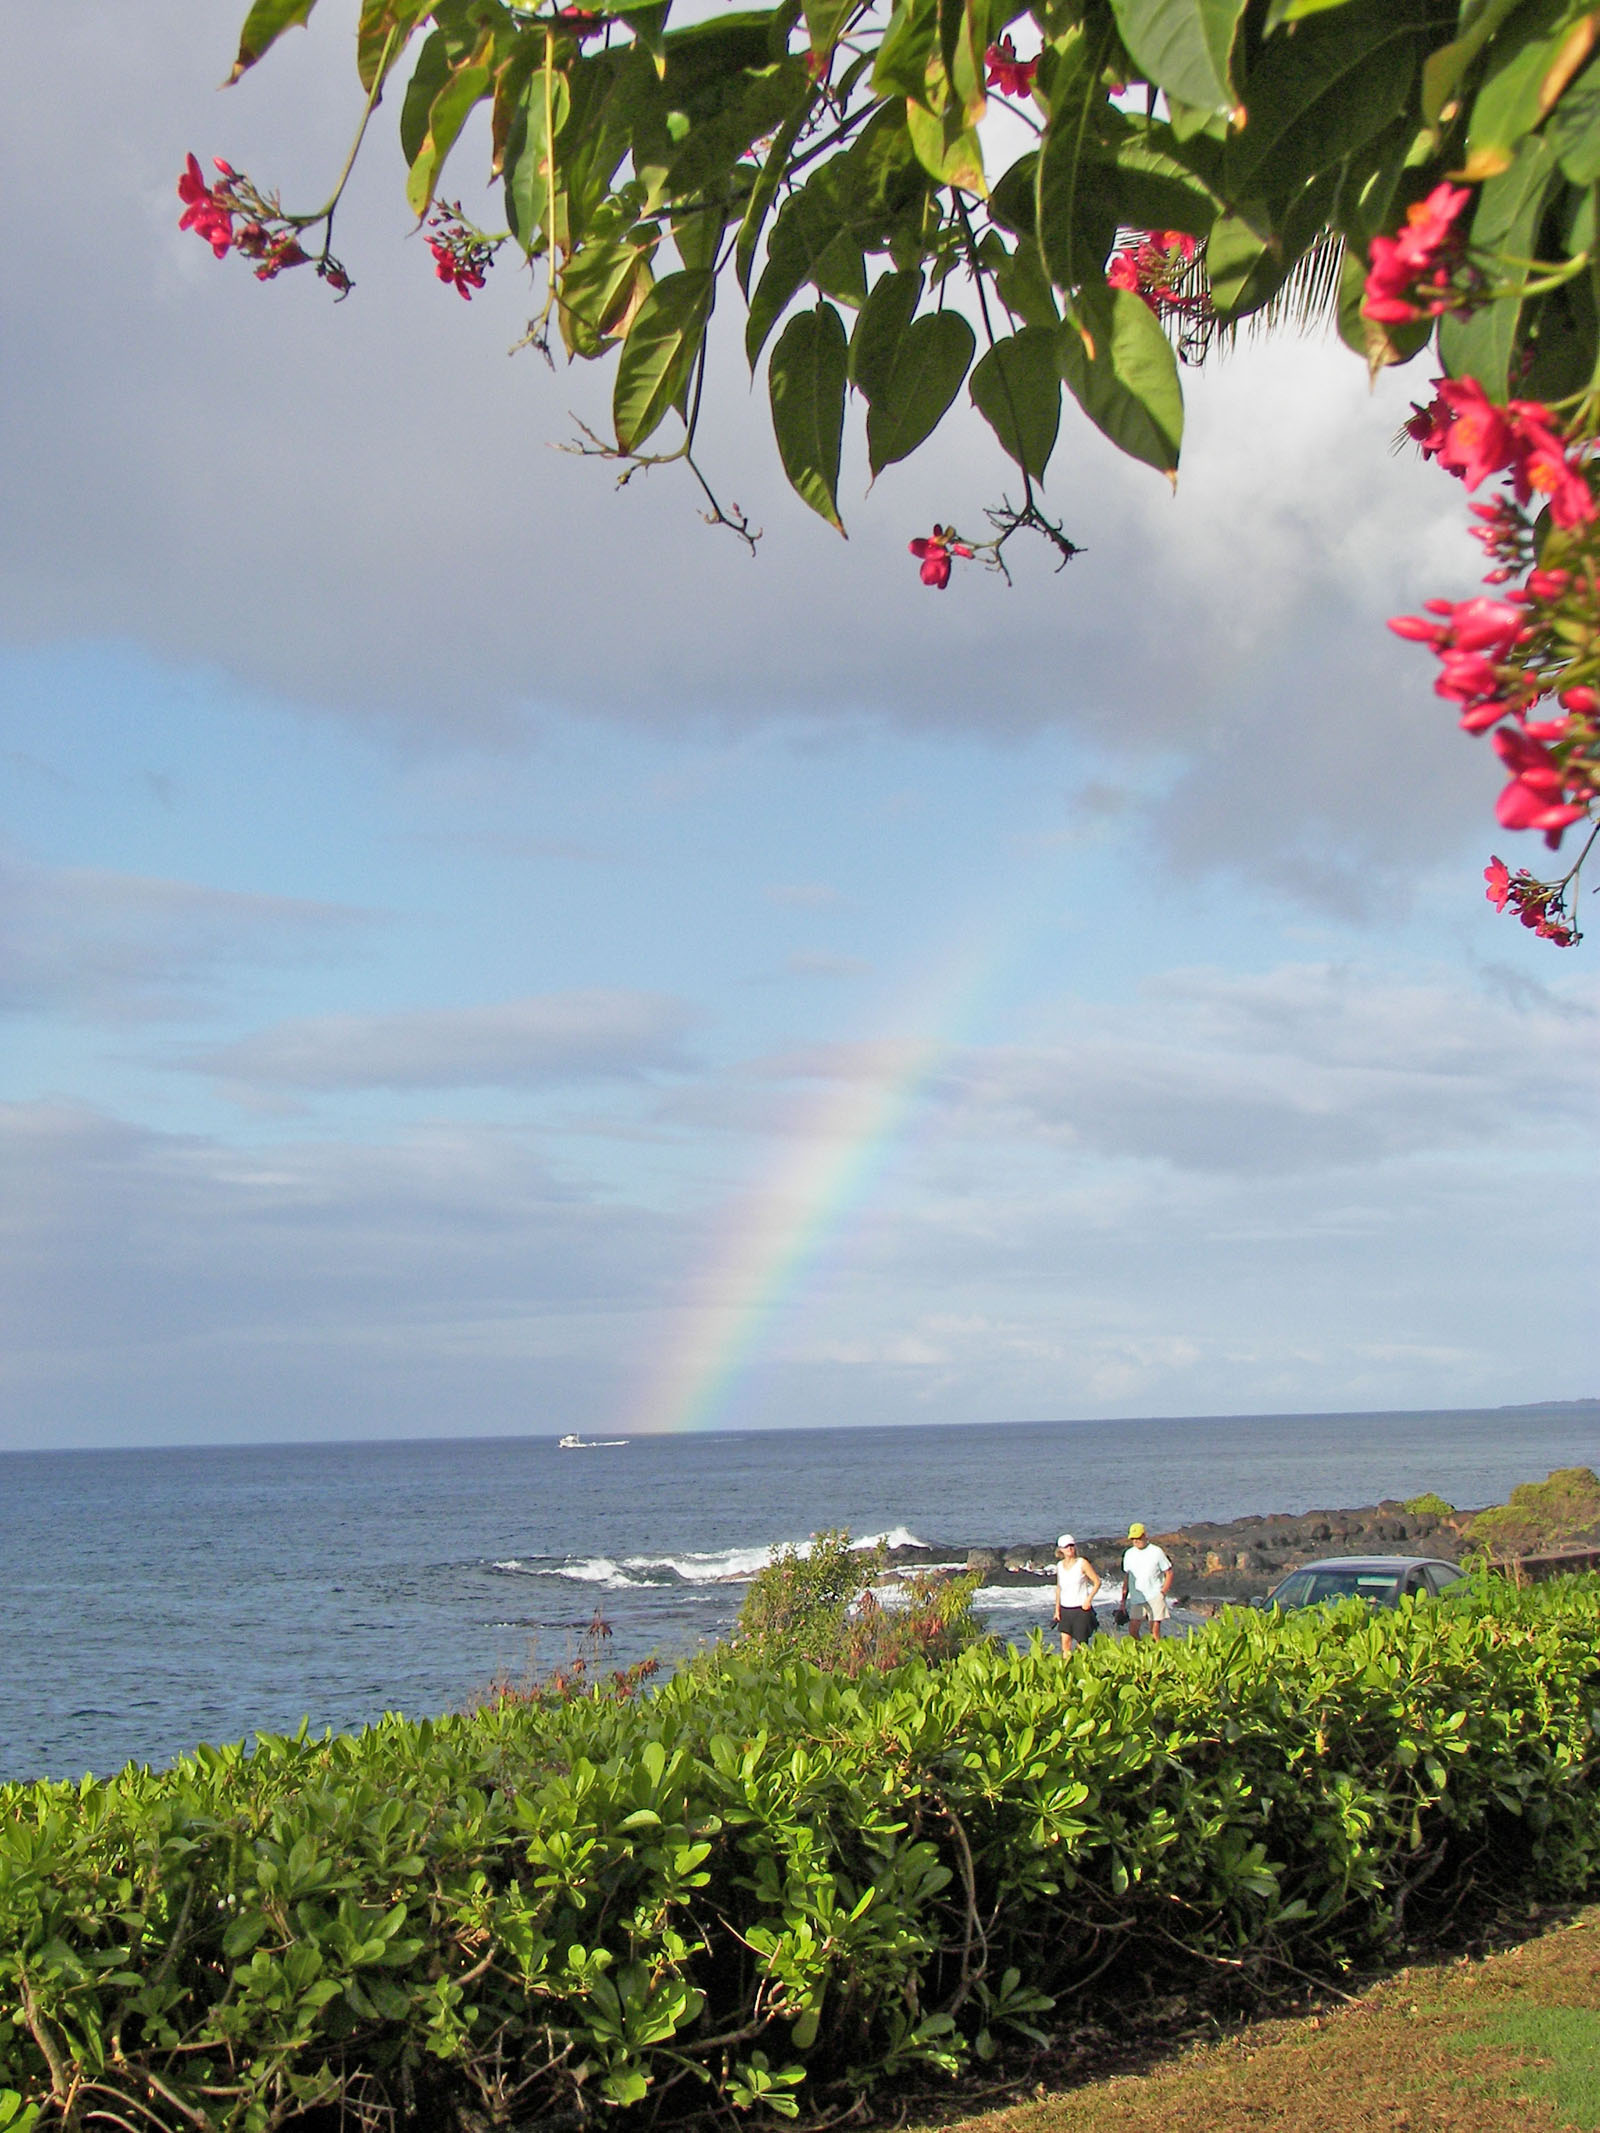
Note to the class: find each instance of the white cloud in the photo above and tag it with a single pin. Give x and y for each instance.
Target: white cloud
(572, 1036)
(823, 963)
(94, 943)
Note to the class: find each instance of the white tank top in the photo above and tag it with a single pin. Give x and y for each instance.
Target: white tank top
(1073, 1586)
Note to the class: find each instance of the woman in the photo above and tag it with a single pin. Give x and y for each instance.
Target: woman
(1077, 1582)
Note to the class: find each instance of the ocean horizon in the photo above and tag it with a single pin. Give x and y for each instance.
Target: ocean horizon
(164, 1595)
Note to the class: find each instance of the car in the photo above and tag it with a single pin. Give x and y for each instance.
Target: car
(1381, 1580)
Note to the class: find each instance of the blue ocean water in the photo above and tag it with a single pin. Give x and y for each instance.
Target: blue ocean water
(159, 1598)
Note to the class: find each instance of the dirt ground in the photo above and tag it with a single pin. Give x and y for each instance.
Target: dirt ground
(1460, 2047)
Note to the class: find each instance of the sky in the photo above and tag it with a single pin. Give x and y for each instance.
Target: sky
(481, 953)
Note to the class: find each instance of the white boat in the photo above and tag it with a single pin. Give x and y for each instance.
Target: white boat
(589, 1444)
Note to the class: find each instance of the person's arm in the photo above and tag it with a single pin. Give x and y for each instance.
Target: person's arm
(1166, 1582)
(1094, 1581)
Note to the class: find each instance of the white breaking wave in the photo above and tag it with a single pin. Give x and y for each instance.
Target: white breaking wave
(997, 1596)
(710, 1566)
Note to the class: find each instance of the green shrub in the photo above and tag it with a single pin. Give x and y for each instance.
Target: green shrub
(771, 1882)
(1541, 1514)
(820, 1605)
(796, 1608)
(1428, 1505)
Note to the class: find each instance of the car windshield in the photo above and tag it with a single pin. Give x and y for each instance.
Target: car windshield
(1310, 1587)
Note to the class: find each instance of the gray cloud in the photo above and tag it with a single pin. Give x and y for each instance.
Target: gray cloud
(171, 1287)
(107, 946)
(1299, 1071)
(571, 1036)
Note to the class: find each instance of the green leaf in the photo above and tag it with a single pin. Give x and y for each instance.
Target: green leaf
(881, 329)
(1282, 11)
(1234, 251)
(824, 20)
(810, 242)
(806, 382)
(380, 21)
(929, 365)
(532, 183)
(1127, 384)
(1074, 216)
(1020, 281)
(909, 42)
(464, 88)
(1516, 91)
(1017, 390)
(659, 353)
(1574, 129)
(765, 191)
(1506, 220)
(263, 26)
(599, 286)
(1183, 46)
(947, 147)
(1318, 96)
(1443, 70)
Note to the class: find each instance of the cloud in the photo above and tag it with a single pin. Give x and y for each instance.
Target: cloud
(106, 946)
(573, 1036)
(804, 895)
(1299, 1070)
(821, 963)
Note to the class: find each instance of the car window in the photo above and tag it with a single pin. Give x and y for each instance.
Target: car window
(1416, 1582)
(1377, 1586)
(1442, 1576)
(1295, 1591)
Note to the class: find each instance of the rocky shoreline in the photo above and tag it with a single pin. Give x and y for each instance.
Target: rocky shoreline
(1213, 1562)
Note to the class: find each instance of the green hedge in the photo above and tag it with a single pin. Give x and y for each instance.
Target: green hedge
(772, 1887)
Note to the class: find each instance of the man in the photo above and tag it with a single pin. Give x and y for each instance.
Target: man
(1146, 1581)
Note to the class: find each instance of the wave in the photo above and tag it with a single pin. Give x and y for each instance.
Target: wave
(708, 1566)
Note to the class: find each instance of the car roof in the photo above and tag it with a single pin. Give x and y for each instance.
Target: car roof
(1377, 1562)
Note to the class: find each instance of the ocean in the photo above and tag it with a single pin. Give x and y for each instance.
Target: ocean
(157, 1598)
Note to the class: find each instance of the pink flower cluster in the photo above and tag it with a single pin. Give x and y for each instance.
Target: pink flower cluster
(1422, 272)
(1006, 72)
(263, 232)
(1538, 904)
(1152, 263)
(1521, 663)
(462, 255)
(1473, 437)
(934, 552)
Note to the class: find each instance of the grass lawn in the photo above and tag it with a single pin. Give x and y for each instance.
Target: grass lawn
(1470, 2046)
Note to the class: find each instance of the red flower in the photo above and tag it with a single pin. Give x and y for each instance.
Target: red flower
(1006, 72)
(1429, 426)
(1543, 464)
(1480, 440)
(1498, 875)
(205, 211)
(1122, 273)
(935, 553)
(1410, 275)
(1534, 798)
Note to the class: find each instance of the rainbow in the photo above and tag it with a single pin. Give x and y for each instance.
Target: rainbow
(770, 1237)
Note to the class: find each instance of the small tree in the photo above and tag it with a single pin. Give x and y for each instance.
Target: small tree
(818, 1603)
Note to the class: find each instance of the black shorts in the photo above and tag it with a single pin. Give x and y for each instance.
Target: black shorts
(1078, 1623)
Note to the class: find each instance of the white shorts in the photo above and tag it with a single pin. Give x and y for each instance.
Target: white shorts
(1155, 1610)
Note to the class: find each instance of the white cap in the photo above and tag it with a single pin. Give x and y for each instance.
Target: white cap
(1066, 1541)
